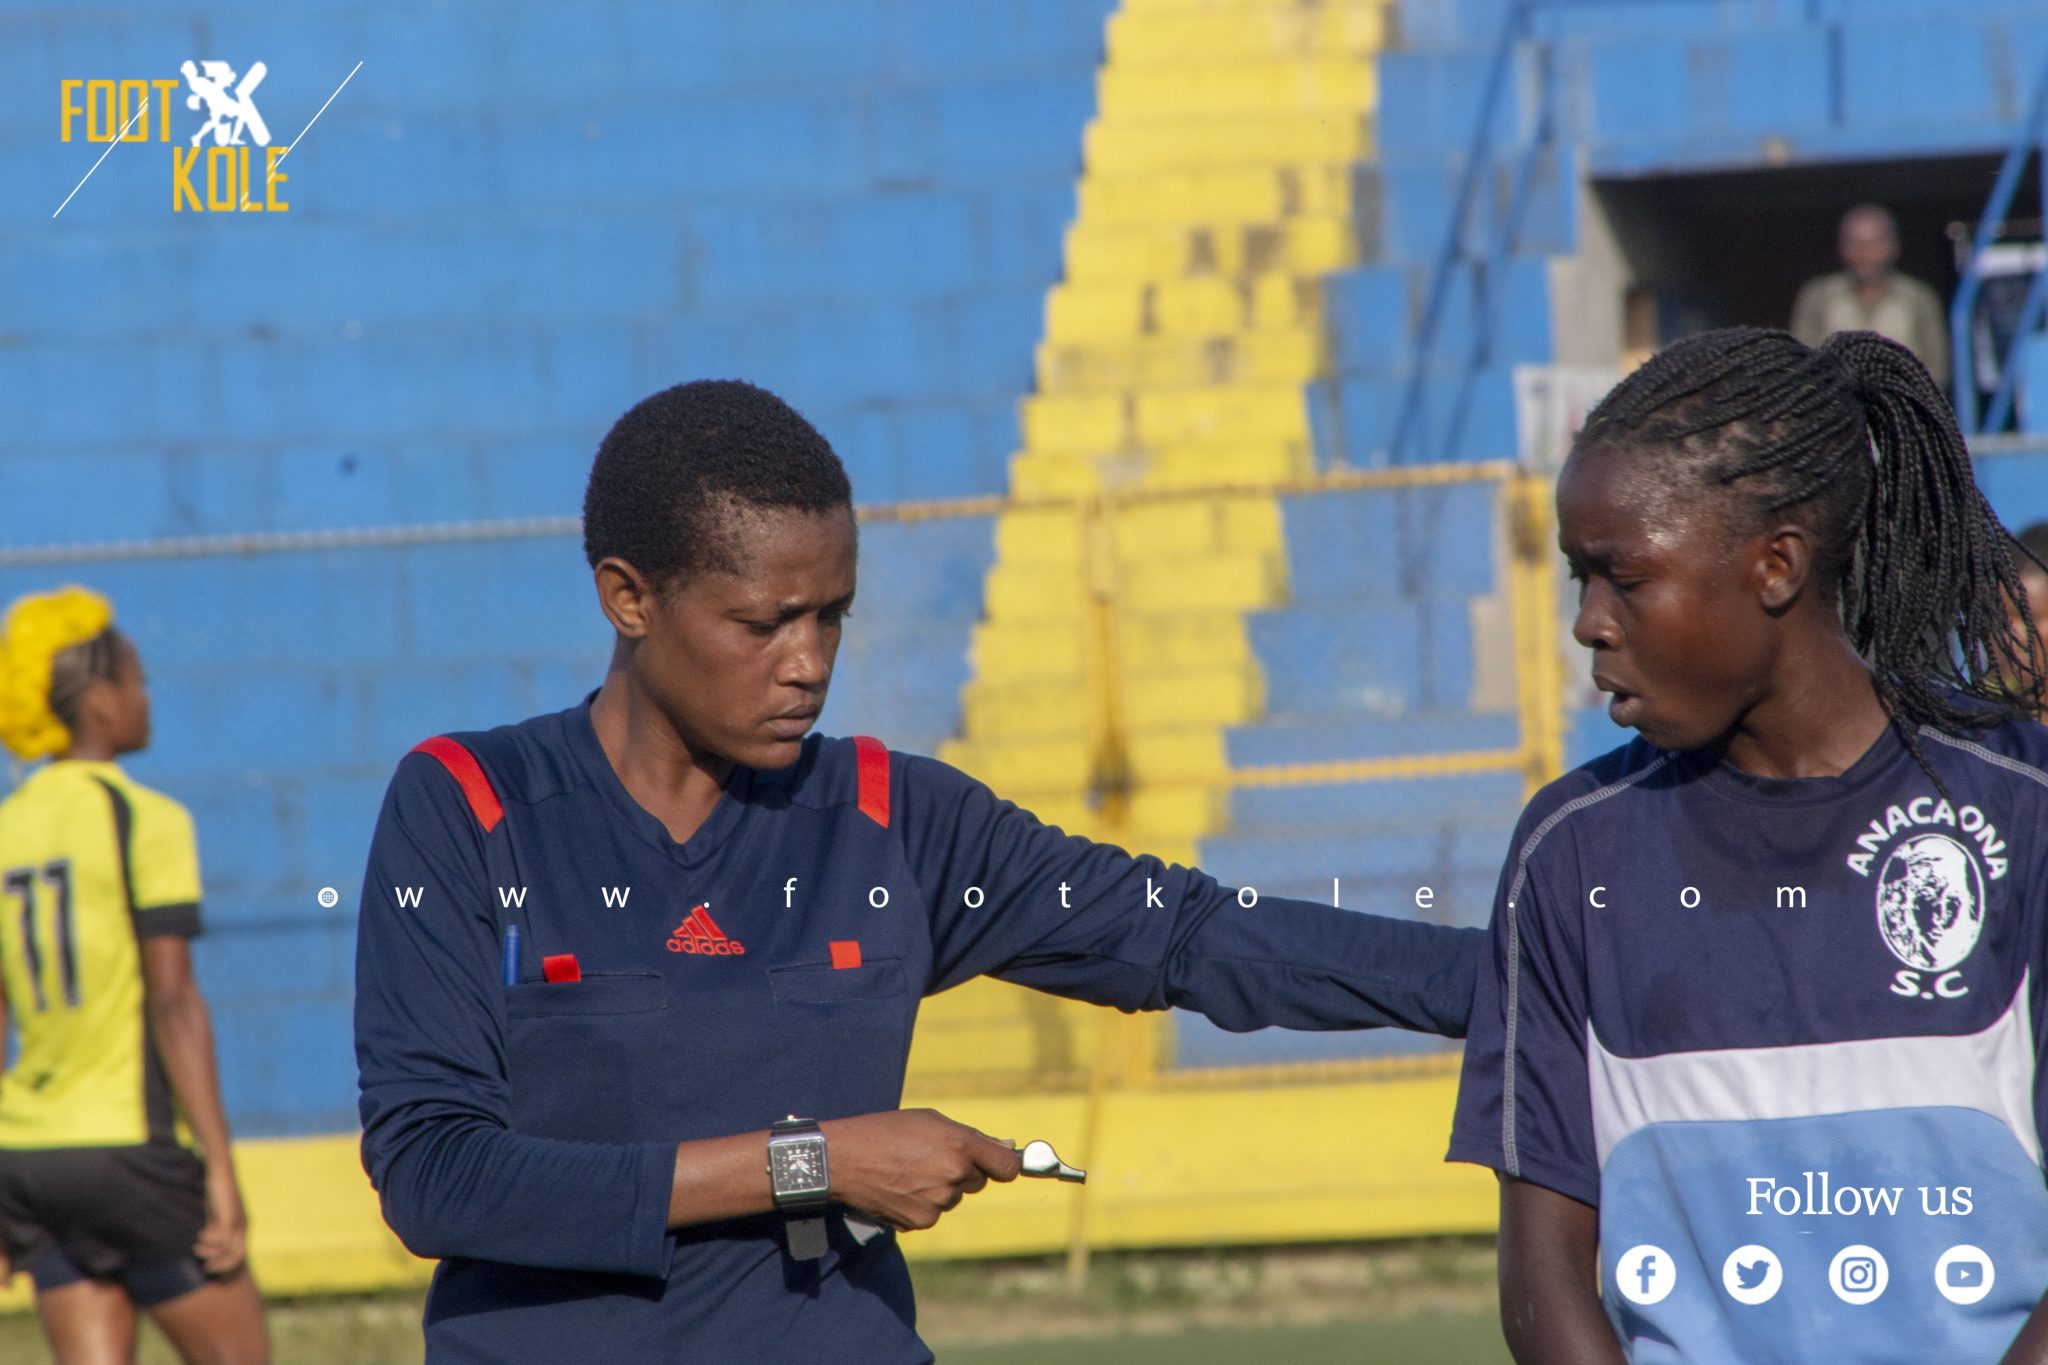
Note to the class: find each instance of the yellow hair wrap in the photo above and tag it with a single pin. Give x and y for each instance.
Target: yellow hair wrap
(38, 628)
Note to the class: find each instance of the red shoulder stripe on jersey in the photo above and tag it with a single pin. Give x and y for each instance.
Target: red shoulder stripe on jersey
(469, 775)
(874, 778)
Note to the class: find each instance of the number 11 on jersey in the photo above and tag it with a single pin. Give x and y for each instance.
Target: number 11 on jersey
(20, 882)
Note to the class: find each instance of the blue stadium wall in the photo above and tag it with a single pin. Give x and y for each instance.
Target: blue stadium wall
(516, 220)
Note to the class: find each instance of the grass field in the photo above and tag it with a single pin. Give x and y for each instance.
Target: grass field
(1430, 1303)
(1418, 1341)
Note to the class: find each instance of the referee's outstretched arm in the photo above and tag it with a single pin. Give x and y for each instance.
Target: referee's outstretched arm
(1088, 921)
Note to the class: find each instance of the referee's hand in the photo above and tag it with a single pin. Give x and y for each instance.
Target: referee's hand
(905, 1167)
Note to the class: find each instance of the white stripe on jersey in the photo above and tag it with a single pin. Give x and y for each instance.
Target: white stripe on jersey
(1514, 992)
(1991, 1071)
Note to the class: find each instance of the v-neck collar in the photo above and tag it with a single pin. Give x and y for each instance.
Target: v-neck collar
(597, 764)
(1875, 765)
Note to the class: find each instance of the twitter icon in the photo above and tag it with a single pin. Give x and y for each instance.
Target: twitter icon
(1752, 1275)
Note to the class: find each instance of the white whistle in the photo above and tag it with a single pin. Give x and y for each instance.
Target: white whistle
(1039, 1159)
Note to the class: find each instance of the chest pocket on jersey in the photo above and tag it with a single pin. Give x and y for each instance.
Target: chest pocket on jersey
(847, 1031)
(599, 993)
(586, 1058)
(824, 984)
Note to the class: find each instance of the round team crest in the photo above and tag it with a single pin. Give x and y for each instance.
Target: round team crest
(1930, 902)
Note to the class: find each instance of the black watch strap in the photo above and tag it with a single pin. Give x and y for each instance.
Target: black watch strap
(807, 1239)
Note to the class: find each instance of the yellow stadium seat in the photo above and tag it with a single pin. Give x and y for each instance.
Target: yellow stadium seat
(1047, 533)
(1026, 708)
(1076, 423)
(1020, 768)
(1240, 578)
(1137, 37)
(1290, 355)
(1201, 464)
(1053, 649)
(1166, 757)
(1053, 476)
(1237, 413)
(1239, 194)
(1033, 590)
(1339, 86)
(1190, 527)
(1178, 813)
(1210, 695)
(1179, 640)
(1302, 245)
(1083, 313)
(1150, 146)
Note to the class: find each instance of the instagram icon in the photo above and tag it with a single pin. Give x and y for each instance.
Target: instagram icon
(1858, 1274)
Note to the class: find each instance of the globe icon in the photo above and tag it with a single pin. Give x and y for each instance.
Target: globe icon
(1930, 902)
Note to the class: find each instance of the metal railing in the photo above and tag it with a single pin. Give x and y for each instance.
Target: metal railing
(2030, 138)
(1410, 442)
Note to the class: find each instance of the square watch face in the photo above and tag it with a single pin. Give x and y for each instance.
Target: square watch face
(798, 1167)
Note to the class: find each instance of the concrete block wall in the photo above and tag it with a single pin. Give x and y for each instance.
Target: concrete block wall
(515, 220)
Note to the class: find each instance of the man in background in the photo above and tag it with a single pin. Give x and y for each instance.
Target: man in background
(1869, 294)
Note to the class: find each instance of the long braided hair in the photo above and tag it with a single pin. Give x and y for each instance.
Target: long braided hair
(1855, 442)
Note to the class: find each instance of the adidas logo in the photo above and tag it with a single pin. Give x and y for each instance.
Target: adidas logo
(699, 933)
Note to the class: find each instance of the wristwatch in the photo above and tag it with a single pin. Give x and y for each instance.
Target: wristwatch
(798, 1172)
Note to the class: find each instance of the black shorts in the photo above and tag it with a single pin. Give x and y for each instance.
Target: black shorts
(128, 1214)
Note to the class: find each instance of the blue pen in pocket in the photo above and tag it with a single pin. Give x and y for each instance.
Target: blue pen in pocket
(511, 954)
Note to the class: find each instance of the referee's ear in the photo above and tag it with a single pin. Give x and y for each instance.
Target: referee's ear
(628, 599)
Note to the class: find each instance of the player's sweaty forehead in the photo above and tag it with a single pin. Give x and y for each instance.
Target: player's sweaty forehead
(1610, 513)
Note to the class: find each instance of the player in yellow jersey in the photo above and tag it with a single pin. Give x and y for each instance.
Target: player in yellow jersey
(101, 1200)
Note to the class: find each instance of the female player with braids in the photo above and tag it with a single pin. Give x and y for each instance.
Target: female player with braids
(100, 1201)
(1756, 1056)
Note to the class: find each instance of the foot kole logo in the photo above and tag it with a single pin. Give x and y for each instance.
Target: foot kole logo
(1930, 889)
(212, 170)
(700, 934)
(215, 161)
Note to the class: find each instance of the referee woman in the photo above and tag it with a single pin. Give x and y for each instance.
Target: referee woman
(612, 957)
(100, 1199)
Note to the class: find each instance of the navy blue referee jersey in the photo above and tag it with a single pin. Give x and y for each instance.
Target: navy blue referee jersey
(771, 964)
(1784, 1034)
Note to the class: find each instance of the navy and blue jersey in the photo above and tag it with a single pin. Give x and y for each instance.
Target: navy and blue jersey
(1783, 1034)
(771, 964)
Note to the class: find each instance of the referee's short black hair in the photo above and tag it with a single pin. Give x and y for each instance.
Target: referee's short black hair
(674, 472)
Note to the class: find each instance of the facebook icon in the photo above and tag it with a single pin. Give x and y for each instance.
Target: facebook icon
(1645, 1274)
